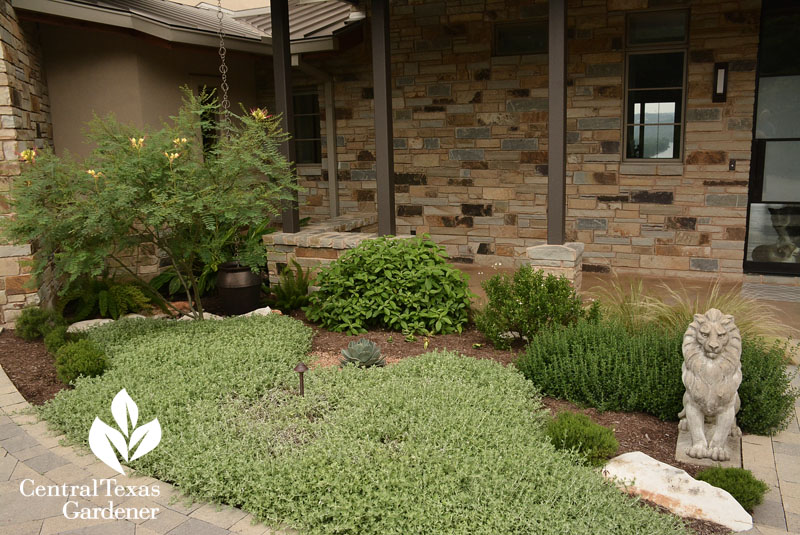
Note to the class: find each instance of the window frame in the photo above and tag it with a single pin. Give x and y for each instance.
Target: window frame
(655, 48)
(304, 92)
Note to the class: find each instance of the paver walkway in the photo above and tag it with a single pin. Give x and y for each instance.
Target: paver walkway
(776, 461)
(28, 450)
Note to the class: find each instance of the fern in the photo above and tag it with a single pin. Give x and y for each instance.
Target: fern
(292, 292)
(104, 298)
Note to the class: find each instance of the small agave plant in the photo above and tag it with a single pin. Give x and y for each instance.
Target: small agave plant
(363, 353)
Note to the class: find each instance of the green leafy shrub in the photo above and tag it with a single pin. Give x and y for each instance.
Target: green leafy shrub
(80, 359)
(161, 189)
(56, 338)
(434, 445)
(103, 298)
(610, 367)
(364, 353)
(740, 483)
(577, 432)
(402, 285)
(35, 322)
(521, 305)
(292, 292)
(766, 392)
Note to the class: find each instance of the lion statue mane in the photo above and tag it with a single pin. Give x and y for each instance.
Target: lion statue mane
(712, 373)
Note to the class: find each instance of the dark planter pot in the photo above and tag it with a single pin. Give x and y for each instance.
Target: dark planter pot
(239, 288)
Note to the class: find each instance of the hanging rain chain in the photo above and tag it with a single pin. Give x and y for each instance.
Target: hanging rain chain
(225, 104)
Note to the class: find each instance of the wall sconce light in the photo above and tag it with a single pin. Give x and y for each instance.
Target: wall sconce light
(720, 93)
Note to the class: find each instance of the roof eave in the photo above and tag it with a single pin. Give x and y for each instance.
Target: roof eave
(59, 8)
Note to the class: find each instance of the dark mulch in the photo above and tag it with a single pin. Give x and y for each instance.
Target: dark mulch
(30, 367)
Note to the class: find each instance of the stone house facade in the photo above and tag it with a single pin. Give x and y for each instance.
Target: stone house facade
(470, 138)
(24, 123)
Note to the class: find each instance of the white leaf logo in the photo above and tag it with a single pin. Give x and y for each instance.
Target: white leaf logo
(103, 439)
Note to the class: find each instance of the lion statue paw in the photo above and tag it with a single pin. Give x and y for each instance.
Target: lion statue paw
(735, 431)
(718, 454)
(698, 451)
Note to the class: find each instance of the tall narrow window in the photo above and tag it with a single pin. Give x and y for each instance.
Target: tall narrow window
(308, 142)
(655, 82)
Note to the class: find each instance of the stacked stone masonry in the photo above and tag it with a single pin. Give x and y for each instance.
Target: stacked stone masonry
(470, 138)
(24, 123)
(559, 260)
(317, 244)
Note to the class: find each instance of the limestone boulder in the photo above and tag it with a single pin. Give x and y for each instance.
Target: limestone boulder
(639, 474)
(82, 326)
(266, 311)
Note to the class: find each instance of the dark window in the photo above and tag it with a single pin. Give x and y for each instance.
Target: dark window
(655, 98)
(520, 38)
(655, 84)
(308, 143)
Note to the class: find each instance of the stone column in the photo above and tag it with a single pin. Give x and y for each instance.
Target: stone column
(24, 123)
(566, 260)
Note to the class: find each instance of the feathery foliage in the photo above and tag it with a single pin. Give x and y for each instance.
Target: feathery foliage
(158, 187)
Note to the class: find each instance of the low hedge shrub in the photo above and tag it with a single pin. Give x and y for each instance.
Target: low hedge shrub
(35, 322)
(55, 339)
(433, 445)
(401, 285)
(80, 359)
(610, 367)
(521, 305)
(740, 483)
(577, 432)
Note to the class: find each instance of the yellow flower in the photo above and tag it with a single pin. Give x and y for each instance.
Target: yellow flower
(94, 174)
(28, 155)
(172, 156)
(179, 141)
(259, 114)
(137, 143)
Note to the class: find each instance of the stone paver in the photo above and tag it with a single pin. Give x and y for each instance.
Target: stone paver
(776, 461)
(28, 450)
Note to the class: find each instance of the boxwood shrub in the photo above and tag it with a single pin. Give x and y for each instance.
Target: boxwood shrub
(610, 367)
(398, 284)
(79, 359)
(740, 483)
(434, 445)
(577, 432)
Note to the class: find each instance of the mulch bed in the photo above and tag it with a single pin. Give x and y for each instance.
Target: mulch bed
(30, 367)
(32, 370)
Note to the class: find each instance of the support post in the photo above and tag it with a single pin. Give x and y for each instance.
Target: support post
(557, 122)
(330, 133)
(282, 66)
(384, 147)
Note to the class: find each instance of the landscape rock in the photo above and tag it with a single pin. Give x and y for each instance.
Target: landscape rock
(677, 491)
(135, 316)
(206, 316)
(266, 311)
(82, 326)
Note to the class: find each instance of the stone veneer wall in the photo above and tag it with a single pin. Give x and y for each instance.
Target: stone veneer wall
(471, 138)
(317, 244)
(24, 123)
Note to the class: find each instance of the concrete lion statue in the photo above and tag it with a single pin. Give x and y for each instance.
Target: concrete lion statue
(712, 373)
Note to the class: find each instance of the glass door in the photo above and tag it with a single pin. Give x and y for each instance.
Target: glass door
(773, 235)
